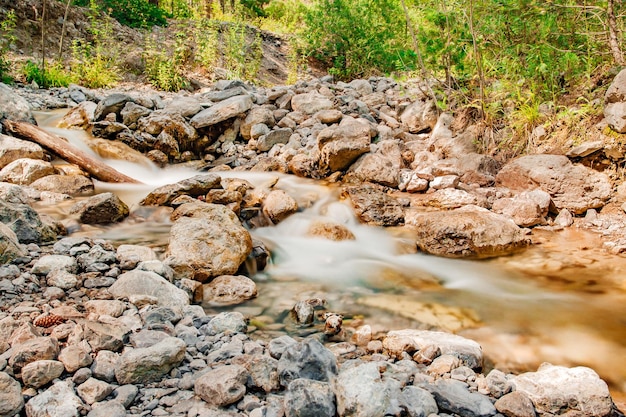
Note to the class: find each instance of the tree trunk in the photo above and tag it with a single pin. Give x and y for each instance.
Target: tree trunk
(66, 151)
(616, 50)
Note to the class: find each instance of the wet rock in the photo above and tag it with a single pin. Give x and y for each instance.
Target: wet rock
(279, 205)
(11, 400)
(408, 340)
(330, 230)
(14, 107)
(454, 397)
(417, 402)
(24, 171)
(361, 391)
(74, 185)
(209, 242)
(467, 232)
(558, 390)
(228, 290)
(39, 348)
(57, 401)
(25, 223)
(307, 359)
(198, 185)
(10, 248)
(308, 398)
(310, 103)
(100, 209)
(515, 404)
(223, 385)
(374, 206)
(148, 283)
(574, 187)
(94, 390)
(419, 116)
(79, 117)
(342, 144)
(143, 365)
(564, 218)
(224, 110)
(525, 213)
(75, 357)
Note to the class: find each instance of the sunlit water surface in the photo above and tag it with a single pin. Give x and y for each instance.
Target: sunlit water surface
(562, 301)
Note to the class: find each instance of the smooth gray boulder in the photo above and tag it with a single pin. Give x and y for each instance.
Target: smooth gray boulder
(224, 110)
(14, 107)
(143, 365)
(455, 397)
(137, 282)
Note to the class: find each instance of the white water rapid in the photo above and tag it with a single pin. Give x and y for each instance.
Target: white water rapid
(521, 320)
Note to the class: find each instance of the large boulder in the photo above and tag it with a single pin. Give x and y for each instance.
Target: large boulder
(25, 223)
(196, 186)
(341, 145)
(143, 365)
(24, 171)
(615, 103)
(310, 103)
(139, 282)
(573, 187)
(14, 107)
(419, 116)
(383, 166)
(12, 149)
(207, 241)
(224, 110)
(9, 245)
(466, 232)
(556, 390)
(374, 206)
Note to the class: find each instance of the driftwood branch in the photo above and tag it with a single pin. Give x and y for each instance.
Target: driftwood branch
(66, 151)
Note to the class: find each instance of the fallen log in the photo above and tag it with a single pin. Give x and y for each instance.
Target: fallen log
(67, 151)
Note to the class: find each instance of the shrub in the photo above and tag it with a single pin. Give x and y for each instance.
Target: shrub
(54, 75)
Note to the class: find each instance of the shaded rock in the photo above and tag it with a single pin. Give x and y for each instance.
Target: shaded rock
(556, 390)
(374, 206)
(310, 103)
(132, 112)
(308, 398)
(408, 340)
(94, 390)
(615, 103)
(10, 248)
(75, 357)
(57, 401)
(267, 141)
(198, 185)
(209, 242)
(24, 171)
(515, 404)
(417, 402)
(342, 144)
(113, 103)
(100, 209)
(330, 230)
(307, 359)
(574, 187)
(224, 110)
(223, 385)
(14, 107)
(39, 348)
(419, 116)
(173, 134)
(262, 371)
(143, 365)
(148, 283)
(74, 185)
(228, 290)
(104, 365)
(467, 232)
(256, 116)
(278, 205)
(454, 396)
(11, 400)
(25, 223)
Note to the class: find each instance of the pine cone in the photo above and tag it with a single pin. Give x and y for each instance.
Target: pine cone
(48, 320)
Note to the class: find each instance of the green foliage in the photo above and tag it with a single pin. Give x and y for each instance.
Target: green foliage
(357, 38)
(133, 13)
(7, 36)
(284, 16)
(242, 51)
(55, 75)
(165, 70)
(206, 34)
(254, 8)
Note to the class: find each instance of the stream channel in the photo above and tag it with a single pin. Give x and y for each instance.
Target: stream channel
(562, 301)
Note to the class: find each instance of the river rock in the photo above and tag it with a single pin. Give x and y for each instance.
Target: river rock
(209, 242)
(374, 206)
(279, 205)
(113, 308)
(24, 171)
(267, 141)
(74, 185)
(340, 145)
(105, 336)
(515, 404)
(361, 391)
(113, 103)
(148, 283)
(195, 186)
(223, 385)
(93, 390)
(14, 107)
(227, 322)
(419, 116)
(525, 213)
(12, 149)
(262, 371)
(26, 223)
(417, 402)
(574, 187)
(228, 290)
(256, 116)
(454, 396)
(382, 167)
(466, 232)
(143, 365)
(57, 401)
(11, 400)
(12, 193)
(468, 351)
(75, 357)
(79, 117)
(129, 256)
(307, 359)
(104, 365)
(308, 398)
(9, 245)
(39, 348)
(224, 110)
(102, 208)
(310, 103)
(558, 390)
(107, 409)
(615, 103)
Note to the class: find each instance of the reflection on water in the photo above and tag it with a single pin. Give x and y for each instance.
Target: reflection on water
(524, 309)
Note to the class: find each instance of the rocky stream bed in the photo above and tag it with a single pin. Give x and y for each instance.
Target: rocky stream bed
(99, 327)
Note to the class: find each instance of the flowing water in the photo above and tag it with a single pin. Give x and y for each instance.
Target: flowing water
(562, 301)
